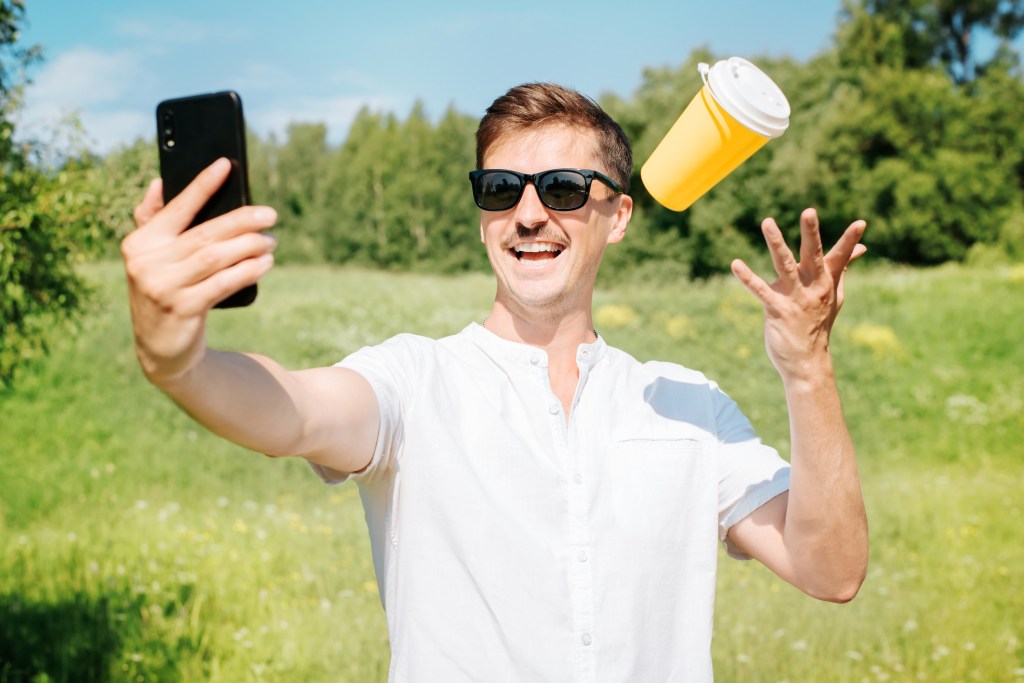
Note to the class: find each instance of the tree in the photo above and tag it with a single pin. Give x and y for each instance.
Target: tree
(920, 33)
(47, 222)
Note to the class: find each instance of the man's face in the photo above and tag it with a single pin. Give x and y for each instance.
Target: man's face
(546, 261)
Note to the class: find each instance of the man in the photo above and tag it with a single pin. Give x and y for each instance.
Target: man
(541, 506)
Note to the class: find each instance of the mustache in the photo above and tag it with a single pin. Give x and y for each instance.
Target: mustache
(541, 234)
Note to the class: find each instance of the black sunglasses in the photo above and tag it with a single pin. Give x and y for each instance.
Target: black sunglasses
(560, 189)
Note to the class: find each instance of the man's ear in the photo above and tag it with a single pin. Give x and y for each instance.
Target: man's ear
(621, 219)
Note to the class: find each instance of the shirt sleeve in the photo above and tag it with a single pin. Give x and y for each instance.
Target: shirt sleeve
(391, 369)
(750, 473)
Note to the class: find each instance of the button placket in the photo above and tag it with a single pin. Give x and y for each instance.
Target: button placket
(581, 569)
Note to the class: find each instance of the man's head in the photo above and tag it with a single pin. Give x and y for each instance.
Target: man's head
(533, 105)
(552, 197)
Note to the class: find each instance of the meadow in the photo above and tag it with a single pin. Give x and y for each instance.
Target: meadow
(136, 547)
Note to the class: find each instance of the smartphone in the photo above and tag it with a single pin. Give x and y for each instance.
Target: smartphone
(192, 133)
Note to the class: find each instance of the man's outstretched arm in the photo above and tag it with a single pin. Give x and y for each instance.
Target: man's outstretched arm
(815, 536)
(175, 276)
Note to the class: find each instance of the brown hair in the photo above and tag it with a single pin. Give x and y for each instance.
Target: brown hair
(536, 104)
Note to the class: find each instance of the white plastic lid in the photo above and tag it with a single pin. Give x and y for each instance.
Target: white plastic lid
(748, 95)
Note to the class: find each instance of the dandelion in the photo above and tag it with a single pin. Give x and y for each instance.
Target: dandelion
(854, 655)
(743, 659)
(680, 327)
(222, 502)
(370, 586)
(939, 653)
(240, 527)
(909, 625)
(141, 505)
(72, 537)
(881, 340)
(613, 316)
(969, 646)
(798, 645)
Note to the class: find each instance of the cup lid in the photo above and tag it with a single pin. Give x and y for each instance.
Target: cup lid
(748, 95)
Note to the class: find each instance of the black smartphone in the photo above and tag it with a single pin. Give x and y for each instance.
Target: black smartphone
(192, 133)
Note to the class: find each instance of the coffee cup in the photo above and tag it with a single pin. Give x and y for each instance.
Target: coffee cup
(737, 112)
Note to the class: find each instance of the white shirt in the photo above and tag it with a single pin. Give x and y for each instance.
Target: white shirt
(509, 546)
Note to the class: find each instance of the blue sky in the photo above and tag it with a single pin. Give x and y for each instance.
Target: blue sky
(113, 60)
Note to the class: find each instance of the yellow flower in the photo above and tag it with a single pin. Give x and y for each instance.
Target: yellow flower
(881, 340)
(680, 327)
(612, 316)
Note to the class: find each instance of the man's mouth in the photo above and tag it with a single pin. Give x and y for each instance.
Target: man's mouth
(537, 251)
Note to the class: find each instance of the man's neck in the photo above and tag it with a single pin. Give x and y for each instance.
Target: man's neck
(559, 336)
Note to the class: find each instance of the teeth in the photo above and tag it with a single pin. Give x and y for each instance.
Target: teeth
(537, 246)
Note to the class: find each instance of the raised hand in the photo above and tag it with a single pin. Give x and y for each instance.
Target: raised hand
(176, 275)
(802, 304)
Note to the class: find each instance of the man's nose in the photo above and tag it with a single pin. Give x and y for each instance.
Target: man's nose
(530, 211)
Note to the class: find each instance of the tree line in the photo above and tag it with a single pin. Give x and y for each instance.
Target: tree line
(902, 121)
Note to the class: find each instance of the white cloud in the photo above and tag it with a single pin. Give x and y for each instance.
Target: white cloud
(84, 77)
(92, 85)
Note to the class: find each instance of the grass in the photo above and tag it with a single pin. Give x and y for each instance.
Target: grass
(136, 547)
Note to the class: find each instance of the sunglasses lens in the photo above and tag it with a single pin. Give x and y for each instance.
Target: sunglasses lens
(498, 191)
(562, 190)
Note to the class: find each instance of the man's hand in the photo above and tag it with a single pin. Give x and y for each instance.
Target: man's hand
(176, 275)
(801, 306)
(815, 536)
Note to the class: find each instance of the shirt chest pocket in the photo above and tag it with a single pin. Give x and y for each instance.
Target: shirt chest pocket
(662, 487)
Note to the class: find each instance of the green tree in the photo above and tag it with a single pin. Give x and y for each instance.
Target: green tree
(47, 222)
(921, 33)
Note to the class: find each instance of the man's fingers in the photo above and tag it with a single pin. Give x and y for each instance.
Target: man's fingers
(846, 249)
(183, 208)
(151, 203)
(758, 287)
(222, 284)
(811, 251)
(221, 255)
(242, 220)
(783, 259)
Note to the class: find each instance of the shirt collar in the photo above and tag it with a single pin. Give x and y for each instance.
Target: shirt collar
(524, 354)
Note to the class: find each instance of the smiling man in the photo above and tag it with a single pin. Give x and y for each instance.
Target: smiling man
(541, 506)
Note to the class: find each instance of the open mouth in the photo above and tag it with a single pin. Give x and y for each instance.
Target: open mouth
(537, 251)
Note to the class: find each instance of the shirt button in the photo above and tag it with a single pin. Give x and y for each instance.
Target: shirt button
(535, 359)
(586, 639)
(553, 409)
(582, 556)
(578, 478)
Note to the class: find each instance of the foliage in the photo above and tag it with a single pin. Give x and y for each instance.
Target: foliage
(393, 195)
(922, 33)
(47, 223)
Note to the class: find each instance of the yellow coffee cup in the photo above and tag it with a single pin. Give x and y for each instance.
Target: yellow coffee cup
(738, 110)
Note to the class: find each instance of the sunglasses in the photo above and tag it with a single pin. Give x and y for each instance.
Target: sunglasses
(560, 189)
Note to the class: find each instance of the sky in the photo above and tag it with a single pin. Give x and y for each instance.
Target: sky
(111, 61)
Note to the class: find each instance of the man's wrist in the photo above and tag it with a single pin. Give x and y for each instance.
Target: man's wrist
(810, 375)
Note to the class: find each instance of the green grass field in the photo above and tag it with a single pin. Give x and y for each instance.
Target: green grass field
(136, 547)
